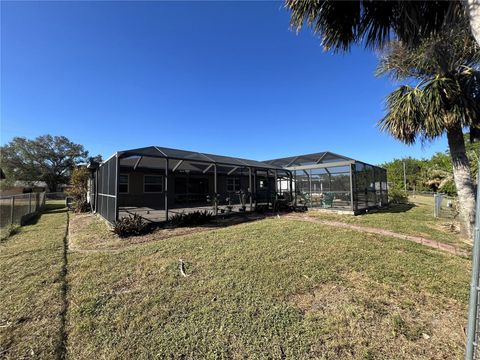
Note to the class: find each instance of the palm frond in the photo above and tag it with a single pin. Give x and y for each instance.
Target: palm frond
(404, 114)
(342, 23)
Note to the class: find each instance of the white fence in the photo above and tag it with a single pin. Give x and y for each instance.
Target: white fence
(14, 209)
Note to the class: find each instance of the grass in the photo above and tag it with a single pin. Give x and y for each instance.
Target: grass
(268, 289)
(273, 288)
(31, 264)
(411, 219)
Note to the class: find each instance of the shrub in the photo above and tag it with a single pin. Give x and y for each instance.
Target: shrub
(191, 219)
(131, 225)
(9, 231)
(81, 207)
(396, 196)
(448, 187)
(79, 189)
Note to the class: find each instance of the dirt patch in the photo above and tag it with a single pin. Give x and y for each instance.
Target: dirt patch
(363, 318)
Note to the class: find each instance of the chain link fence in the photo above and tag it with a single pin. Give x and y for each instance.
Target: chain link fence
(444, 206)
(15, 209)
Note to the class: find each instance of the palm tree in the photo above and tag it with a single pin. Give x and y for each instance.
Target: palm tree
(444, 100)
(341, 23)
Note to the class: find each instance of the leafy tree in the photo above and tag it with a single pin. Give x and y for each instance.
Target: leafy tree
(46, 158)
(414, 170)
(342, 23)
(79, 188)
(445, 99)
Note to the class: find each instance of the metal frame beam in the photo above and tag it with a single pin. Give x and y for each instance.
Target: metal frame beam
(321, 158)
(137, 163)
(233, 170)
(177, 166)
(322, 166)
(209, 167)
(166, 189)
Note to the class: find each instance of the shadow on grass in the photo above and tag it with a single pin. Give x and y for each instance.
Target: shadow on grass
(391, 209)
(48, 209)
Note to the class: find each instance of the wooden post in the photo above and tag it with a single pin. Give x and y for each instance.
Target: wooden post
(12, 210)
(166, 189)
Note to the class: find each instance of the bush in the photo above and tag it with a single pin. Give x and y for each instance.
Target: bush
(81, 207)
(9, 231)
(131, 225)
(191, 219)
(396, 196)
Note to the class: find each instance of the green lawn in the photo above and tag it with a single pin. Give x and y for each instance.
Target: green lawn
(31, 305)
(274, 288)
(412, 219)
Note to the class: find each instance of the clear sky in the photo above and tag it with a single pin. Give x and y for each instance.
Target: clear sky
(222, 77)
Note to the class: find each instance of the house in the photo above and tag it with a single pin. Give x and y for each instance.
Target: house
(157, 182)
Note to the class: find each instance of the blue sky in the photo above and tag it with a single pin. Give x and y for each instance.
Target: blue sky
(221, 77)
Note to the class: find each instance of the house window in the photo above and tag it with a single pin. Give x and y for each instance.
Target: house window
(123, 183)
(153, 183)
(233, 184)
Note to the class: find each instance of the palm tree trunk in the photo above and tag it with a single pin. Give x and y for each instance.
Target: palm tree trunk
(463, 179)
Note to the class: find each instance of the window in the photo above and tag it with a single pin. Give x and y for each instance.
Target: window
(123, 183)
(153, 183)
(263, 184)
(233, 184)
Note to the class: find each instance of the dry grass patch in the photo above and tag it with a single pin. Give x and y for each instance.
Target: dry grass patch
(366, 315)
(253, 291)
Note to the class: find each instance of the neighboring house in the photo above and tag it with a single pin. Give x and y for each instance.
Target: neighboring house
(157, 181)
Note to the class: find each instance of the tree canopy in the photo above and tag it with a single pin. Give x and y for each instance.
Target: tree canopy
(447, 89)
(47, 158)
(374, 23)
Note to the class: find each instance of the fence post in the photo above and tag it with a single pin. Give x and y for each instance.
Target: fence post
(12, 210)
(472, 325)
(29, 203)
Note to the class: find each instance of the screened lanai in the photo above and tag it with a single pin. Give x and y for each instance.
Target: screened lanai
(157, 182)
(331, 181)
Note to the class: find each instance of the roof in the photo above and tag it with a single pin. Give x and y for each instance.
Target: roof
(324, 157)
(192, 157)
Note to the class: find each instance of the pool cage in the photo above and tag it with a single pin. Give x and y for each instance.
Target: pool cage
(331, 181)
(158, 182)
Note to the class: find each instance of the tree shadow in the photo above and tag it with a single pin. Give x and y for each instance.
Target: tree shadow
(390, 209)
(47, 209)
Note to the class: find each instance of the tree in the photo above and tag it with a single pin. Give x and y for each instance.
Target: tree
(46, 158)
(445, 100)
(79, 188)
(414, 169)
(342, 23)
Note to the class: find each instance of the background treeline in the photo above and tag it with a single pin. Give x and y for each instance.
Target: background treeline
(434, 174)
